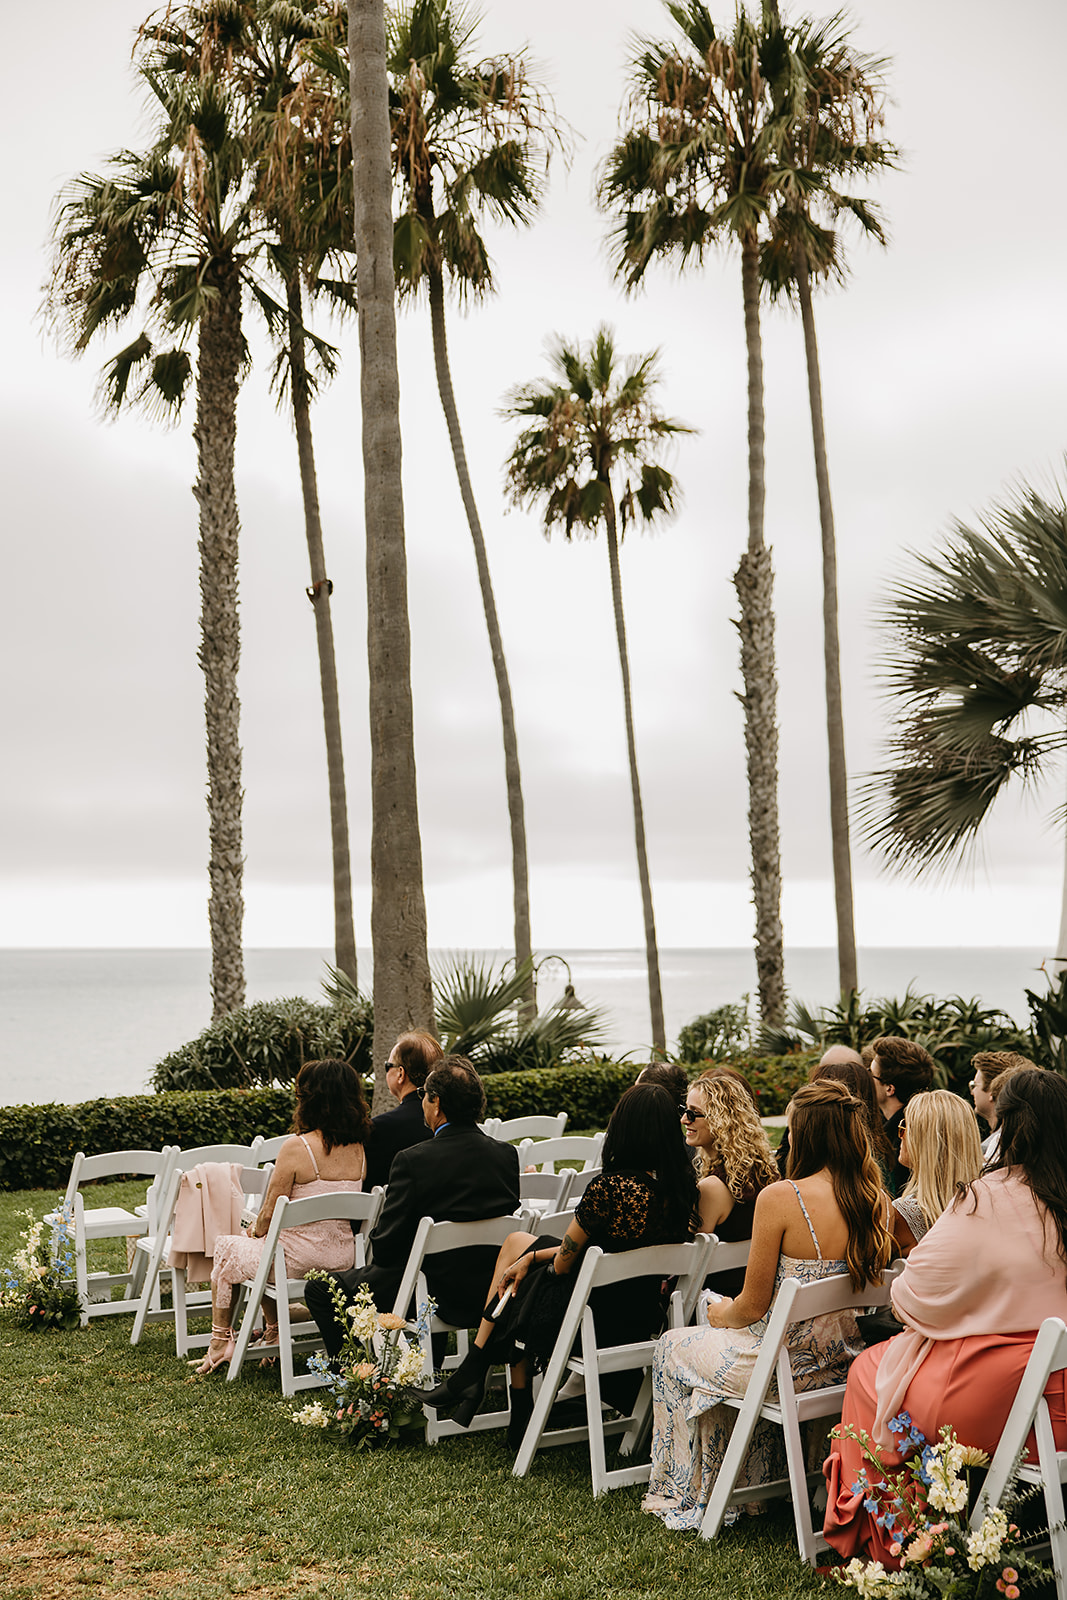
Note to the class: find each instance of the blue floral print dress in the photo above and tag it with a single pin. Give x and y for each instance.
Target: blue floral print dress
(691, 1430)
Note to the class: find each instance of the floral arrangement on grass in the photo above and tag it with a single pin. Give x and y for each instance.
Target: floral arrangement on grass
(924, 1509)
(374, 1381)
(38, 1287)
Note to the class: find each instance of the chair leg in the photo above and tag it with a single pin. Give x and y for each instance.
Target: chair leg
(598, 1466)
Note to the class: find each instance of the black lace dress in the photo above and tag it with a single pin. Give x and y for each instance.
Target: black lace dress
(619, 1211)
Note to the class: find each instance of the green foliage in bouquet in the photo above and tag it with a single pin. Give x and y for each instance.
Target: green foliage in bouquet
(38, 1288)
(375, 1379)
(924, 1510)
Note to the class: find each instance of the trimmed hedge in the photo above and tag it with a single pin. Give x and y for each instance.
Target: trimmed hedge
(267, 1043)
(38, 1143)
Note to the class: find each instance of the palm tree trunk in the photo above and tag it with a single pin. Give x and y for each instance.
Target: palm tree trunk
(516, 810)
(754, 581)
(344, 934)
(655, 995)
(847, 971)
(219, 364)
(403, 998)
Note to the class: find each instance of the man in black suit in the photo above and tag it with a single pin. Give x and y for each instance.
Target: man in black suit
(458, 1175)
(392, 1131)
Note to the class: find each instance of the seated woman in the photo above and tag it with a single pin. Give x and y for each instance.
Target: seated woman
(325, 1156)
(972, 1295)
(939, 1144)
(645, 1194)
(856, 1077)
(829, 1217)
(734, 1162)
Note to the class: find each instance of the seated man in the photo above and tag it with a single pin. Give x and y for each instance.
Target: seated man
(410, 1060)
(900, 1068)
(458, 1175)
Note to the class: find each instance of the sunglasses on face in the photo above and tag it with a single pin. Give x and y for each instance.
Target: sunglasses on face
(902, 1130)
(690, 1114)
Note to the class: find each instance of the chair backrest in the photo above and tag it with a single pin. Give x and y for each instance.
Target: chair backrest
(431, 1238)
(534, 1127)
(546, 1190)
(580, 1183)
(269, 1149)
(723, 1257)
(544, 1153)
(243, 1154)
(554, 1224)
(1049, 1355)
(116, 1164)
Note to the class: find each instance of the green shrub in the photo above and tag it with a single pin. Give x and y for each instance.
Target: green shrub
(268, 1043)
(718, 1035)
(38, 1143)
(588, 1094)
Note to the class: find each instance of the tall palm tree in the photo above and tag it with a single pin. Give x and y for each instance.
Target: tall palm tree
(261, 50)
(470, 139)
(976, 668)
(589, 456)
(167, 233)
(701, 164)
(835, 141)
(403, 997)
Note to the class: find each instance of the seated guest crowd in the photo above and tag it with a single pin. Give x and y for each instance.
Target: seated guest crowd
(875, 1164)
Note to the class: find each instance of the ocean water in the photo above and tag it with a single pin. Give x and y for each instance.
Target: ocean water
(75, 1024)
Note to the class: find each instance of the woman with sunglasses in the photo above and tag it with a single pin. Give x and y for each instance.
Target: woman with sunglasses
(829, 1217)
(939, 1145)
(734, 1162)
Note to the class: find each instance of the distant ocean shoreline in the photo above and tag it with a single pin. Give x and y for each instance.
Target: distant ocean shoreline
(77, 1024)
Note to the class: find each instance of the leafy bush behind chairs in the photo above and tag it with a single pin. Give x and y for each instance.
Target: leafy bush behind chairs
(267, 1043)
(953, 1030)
(38, 1143)
(718, 1035)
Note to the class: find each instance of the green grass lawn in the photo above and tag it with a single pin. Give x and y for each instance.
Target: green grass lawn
(126, 1477)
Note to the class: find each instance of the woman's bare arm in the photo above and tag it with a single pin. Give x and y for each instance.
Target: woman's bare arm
(768, 1226)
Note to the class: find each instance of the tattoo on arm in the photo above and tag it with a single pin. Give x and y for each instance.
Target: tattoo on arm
(568, 1246)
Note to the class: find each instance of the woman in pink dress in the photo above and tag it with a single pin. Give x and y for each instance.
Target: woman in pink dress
(325, 1156)
(972, 1296)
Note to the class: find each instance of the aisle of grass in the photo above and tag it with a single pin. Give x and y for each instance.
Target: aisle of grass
(126, 1477)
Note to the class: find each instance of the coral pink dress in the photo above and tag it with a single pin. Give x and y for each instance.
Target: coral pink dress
(972, 1296)
(330, 1245)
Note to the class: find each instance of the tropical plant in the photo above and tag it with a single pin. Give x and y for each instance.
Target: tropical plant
(589, 454)
(166, 234)
(268, 1042)
(1048, 1022)
(976, 669)
(833, 143)
(403, 997)
(262, 50)
(471, 139)
(703, 162)
(716, 1035)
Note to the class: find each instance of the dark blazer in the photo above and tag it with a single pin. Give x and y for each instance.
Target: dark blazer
(392, 1132)
(459, 1175)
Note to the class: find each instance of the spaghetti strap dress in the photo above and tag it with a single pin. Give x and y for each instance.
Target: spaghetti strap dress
(691, 1428)
(330, 1244)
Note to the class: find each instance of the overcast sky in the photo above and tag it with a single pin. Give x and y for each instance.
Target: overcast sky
(943, 372)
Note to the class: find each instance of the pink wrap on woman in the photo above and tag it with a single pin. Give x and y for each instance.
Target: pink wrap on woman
(972, 1296)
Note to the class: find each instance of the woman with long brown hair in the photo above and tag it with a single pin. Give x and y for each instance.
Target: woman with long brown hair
(827, 1218)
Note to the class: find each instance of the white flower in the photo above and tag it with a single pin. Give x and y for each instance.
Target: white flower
(870, 1578)
(409, 1367)
(983, 1547)
(312, 1416)
(947, 1491)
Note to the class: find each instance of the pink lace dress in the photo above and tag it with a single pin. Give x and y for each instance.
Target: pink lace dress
(330, 1244)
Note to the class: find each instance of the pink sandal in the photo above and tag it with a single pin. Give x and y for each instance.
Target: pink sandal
(212, 1363)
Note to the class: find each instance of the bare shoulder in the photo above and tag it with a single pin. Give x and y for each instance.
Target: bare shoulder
(776, 1199)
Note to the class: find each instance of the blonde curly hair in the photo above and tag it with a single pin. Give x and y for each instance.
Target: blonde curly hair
(738, 1140)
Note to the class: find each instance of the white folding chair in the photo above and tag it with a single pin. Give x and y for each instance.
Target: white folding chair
(155, 1246)
(1030, 1410)
(794, 1302)
(269, 1149)
(432, 1238)
(272, 1281)
(112, 1222)
(544, 1153)
(545, 1191)
(580, 1183)
(686, 1262)
(534, 1127)
(489, 1126)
